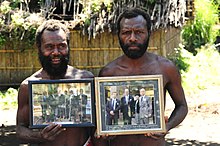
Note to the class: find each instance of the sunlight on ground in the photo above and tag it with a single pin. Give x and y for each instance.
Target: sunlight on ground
(200, 127)
(202, 121)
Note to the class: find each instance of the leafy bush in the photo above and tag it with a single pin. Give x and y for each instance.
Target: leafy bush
(201, 31)
(8, 99)
(203, 71)
(180, 57)
(18, 25)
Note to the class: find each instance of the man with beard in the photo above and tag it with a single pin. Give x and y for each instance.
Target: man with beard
(134, 27)
(52, 40)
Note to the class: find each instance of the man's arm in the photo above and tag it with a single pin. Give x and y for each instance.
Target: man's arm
(108, 108)
(173, 85)
(49, 133)
(22, 130)
(118, 107)
(176, 92)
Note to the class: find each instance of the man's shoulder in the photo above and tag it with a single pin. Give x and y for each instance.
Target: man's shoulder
(78, 73)
(162, 63)
(34, 76)
(162, 60)
(109, 69)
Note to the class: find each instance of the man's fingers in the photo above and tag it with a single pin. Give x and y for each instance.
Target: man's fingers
(56, 130)
(155, 135)
(166, 119)
(49, 127)
(51, 131)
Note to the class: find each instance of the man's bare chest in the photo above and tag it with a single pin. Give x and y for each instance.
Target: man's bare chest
(140, 71)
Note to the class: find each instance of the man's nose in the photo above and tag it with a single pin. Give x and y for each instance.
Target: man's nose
(132, 37)
(56, 50)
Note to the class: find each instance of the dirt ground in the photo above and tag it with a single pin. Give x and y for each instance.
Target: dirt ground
(200, 127)
(202, 124)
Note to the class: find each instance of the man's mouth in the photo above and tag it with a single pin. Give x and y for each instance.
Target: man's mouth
(55, 61)
(133, 47)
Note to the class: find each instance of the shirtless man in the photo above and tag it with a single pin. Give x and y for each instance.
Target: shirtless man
(134, 32)
(52, 40)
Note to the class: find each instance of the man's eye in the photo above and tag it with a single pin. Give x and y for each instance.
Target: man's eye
(49, 47)
(139, 32)
(62, 46)
(126, 32)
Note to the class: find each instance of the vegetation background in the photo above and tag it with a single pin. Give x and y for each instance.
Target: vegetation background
(198, 60)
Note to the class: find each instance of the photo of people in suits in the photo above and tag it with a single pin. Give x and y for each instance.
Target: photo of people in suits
(112, 109)
(145, 107)
(82, 105)
(126, 107)
(136, 110)
(129, 105)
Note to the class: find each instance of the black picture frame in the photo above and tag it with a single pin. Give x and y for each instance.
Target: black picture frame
(105, 88)
(60, 101)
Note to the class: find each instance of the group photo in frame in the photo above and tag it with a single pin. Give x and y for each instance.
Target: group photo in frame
(68, 102)
(129, 104)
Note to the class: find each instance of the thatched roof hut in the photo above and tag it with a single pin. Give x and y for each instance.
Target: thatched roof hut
(96, 15)
(104, 13)
(92, 23)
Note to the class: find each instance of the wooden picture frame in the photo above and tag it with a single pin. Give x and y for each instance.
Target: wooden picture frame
(68, 102)
(144, 121)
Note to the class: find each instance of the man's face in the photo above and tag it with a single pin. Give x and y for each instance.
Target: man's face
(114, 94)
(54, 54)
(133, 36)
(81, 91)
(142, 92)
(126, 92)
(136, 97)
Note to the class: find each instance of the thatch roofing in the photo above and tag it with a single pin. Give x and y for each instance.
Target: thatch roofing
(95, 16)
(163, 12)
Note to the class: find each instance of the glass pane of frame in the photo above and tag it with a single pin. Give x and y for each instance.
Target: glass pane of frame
(67, 102)
(140, 112)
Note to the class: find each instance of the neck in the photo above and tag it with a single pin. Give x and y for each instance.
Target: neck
(138, 61)
(45, 75)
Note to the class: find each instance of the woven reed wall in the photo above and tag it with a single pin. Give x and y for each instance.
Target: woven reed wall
(16, 64)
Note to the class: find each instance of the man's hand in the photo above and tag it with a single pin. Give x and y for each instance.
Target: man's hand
(112, 113)
(50, 132)
(106, 136)
(157, 136)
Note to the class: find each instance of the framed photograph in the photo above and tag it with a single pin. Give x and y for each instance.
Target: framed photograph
(129, 105)
(67, 102)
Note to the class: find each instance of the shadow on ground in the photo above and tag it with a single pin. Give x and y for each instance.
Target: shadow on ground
(8, 138)
(176, 142)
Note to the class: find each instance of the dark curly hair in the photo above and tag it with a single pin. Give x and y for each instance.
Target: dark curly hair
(134, 12)
(51, 25)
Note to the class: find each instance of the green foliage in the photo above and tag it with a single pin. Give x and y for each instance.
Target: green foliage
(203, 71)
(180, 57)
(5, 7)
(8, 99)
(18, 25)
(15, 3)
(94, 6)
(2, 40)
(200, 31)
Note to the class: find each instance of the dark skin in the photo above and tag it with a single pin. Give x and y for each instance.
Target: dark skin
(134, 30)
(53, 134)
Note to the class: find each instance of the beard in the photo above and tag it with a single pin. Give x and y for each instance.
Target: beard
(134, 54)
(54, 70)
